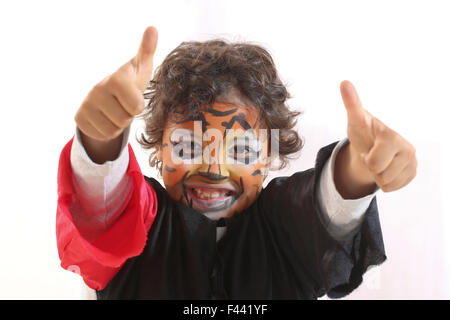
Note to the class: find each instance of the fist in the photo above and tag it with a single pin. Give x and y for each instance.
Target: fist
(112, 104)
(389, 159)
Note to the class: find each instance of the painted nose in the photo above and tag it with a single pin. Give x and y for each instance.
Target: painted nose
(213, 171)
(212, 165)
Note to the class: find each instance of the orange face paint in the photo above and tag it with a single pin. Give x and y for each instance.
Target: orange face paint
(216, 166)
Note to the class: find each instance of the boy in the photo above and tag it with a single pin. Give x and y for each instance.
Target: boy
(214, 232)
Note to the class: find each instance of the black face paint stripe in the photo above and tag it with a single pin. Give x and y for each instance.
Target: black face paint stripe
(185, 195)
(169, 169)
(240, 118)
(204, 122)
(256, 172)
(212, 176)
(183, 179)
(257, 193)
(164, 145)
(218, 113)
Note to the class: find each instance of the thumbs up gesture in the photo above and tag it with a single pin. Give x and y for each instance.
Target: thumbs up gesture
(111, 105)
(376, 155)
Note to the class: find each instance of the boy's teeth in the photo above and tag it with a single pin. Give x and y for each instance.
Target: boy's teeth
(202, 194)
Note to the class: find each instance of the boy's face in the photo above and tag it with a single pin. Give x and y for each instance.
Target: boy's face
(216, 166)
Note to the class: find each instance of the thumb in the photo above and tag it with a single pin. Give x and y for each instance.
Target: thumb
(143, 61)
(356, 114)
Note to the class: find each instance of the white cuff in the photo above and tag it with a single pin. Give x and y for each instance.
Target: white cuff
(98, 179)
(342, 216)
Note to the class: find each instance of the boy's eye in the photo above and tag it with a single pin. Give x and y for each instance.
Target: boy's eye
(187, 150)
(242, 149)
(243, 152)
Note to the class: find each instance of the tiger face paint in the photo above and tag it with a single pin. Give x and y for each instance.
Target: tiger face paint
(217, 165)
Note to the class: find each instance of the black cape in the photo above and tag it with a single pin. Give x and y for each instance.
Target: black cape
(278, 248)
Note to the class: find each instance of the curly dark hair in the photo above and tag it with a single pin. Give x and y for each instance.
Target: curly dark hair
(196, 73)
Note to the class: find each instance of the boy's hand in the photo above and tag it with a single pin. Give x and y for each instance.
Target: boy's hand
(111, 105)
(376, 154)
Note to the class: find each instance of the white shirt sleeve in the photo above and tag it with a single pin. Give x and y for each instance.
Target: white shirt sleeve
(101, 189)
(342, 216)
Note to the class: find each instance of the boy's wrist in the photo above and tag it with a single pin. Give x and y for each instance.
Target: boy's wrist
(352, 178)
(101, 151)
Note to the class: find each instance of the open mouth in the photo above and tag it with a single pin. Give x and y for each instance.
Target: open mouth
(210, 198)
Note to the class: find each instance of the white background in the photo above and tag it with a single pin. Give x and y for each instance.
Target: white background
(395, 52)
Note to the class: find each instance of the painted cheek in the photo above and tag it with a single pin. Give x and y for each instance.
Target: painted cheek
(173, 173)
(252, 179)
